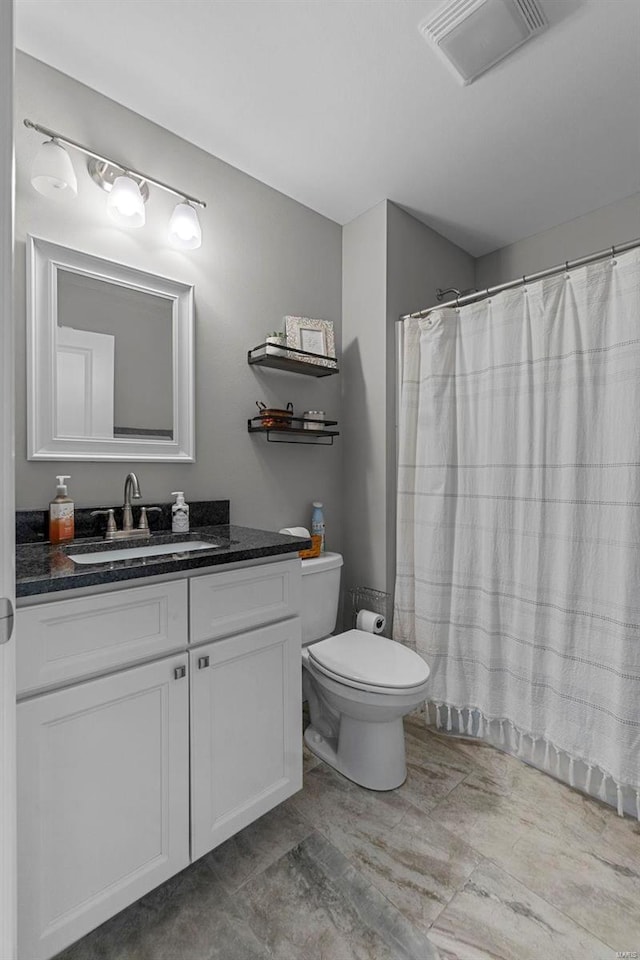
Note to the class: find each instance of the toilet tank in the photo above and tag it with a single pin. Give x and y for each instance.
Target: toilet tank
(320, 595)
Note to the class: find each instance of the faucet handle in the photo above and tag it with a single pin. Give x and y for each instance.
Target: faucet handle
(144, 522)
(111, 521)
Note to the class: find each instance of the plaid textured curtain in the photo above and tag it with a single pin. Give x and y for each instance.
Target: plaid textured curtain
(518, 574)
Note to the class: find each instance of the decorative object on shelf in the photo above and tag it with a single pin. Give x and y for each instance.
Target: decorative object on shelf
(53, 175)
(275, 342)
(294, 427)
(273, 418)
(314, 337)
(313, 419)
(292, 360)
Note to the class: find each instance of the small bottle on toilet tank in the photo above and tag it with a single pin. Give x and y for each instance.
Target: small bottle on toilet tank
(317, 523)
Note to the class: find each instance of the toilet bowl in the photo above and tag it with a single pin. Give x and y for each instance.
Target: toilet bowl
(356, 718)
(358, 686)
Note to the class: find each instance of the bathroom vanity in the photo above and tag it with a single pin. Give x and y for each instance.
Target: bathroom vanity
(158, 714)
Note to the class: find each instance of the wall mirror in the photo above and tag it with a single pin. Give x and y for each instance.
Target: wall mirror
(110, 366)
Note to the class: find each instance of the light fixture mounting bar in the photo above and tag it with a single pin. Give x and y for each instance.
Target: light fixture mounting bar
(104, 174)
(116, 163)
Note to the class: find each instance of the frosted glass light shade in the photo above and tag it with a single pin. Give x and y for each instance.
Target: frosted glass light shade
(125, 203)
(185, 232)
(52, 173)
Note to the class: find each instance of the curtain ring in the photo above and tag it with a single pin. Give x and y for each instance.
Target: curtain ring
(458, 301)
(613, 255)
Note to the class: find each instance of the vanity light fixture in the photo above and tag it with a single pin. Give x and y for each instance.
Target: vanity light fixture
(125, 203)
(185, 232)
(53, 175)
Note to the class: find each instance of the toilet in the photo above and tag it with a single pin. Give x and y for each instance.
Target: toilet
(358, 686)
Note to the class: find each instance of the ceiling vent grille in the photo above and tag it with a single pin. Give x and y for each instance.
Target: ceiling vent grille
(473, 35)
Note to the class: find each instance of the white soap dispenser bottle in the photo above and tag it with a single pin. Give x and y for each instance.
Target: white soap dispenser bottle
(179, 513)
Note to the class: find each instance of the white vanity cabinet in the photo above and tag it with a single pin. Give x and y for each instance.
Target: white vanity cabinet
(141, 745)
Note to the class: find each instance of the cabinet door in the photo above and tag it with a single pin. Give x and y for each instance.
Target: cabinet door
(246, 744)
(103, 800)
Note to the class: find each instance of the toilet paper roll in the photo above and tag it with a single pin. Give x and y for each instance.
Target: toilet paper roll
(370, 621)
(296, 532)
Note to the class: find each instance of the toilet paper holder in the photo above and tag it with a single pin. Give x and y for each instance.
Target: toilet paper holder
(366, 598)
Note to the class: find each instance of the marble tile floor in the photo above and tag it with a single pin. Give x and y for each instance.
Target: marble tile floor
(475, 857)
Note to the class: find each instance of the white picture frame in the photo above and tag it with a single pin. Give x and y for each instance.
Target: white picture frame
(44, 262)
(312, 336)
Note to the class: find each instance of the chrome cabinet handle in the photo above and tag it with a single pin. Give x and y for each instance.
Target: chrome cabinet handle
(6, 620)
(179, 673)
(203, 662)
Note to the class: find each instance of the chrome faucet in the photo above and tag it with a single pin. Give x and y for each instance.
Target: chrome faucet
(131, 489)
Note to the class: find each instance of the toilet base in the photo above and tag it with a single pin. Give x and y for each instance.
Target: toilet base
(370, 754)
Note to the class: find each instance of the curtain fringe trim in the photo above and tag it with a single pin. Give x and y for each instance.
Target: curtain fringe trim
(512, 738)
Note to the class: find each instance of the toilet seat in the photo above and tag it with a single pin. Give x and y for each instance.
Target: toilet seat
(369, 662)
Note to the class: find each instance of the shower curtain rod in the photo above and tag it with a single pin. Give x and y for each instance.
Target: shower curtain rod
(567, 265)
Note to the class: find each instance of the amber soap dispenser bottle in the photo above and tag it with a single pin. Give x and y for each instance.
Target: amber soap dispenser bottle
(61, 525)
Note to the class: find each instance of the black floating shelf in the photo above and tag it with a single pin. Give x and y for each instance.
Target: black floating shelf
(295, 361)
(297, 432)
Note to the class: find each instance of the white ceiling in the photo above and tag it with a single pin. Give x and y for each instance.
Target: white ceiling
(341, 103)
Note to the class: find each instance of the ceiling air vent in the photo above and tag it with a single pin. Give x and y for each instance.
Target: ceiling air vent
(473, 35)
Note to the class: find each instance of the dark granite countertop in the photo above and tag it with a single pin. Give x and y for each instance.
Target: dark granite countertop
(43, 568)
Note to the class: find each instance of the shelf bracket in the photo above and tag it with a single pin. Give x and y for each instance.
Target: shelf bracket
(315, 440)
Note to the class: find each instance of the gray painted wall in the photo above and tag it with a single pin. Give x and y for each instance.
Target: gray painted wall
(364, 258)
(615, 223)
(392, 264)
(263, 256)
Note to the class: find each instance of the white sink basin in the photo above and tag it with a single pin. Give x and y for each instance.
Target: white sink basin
(134, 553)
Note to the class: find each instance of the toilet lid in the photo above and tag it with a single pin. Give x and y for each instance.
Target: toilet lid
(367, 658)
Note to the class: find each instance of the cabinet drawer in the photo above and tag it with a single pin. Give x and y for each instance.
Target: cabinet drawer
(227, 603)
(68, 639)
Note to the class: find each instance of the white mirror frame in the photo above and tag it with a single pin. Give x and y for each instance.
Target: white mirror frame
(44, 260)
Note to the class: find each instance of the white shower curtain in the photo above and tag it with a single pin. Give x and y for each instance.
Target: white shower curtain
(518, 574)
